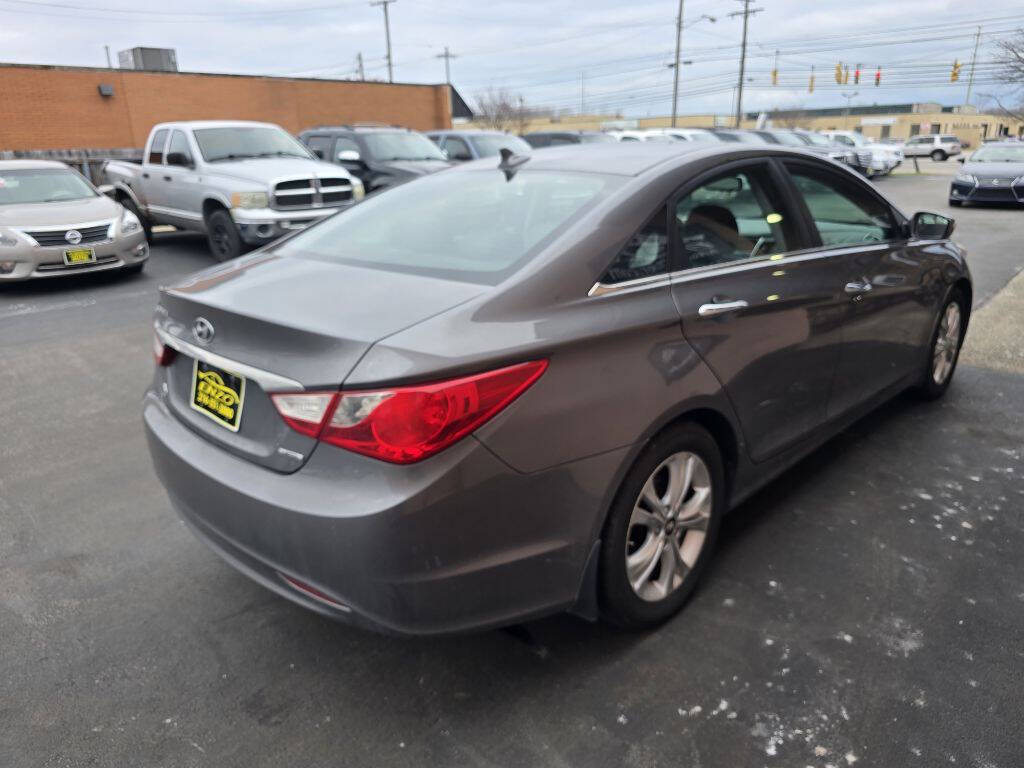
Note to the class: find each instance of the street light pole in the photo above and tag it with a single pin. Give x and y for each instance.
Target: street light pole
(974, 58)
(447, 56)
(849, 98)
(387, 33)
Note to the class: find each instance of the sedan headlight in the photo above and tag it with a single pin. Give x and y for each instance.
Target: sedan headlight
(358, 190)
(966, 178)
(129, 222)
(249, 200)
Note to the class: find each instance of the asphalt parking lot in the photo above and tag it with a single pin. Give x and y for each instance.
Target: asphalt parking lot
(866, 608)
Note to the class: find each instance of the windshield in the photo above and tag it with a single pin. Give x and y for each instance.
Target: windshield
(472, 226)
(237, 142)
(815, 139)
(789, 139)
(42, 185)
(488, 145)
(401, 146)
(998, 155)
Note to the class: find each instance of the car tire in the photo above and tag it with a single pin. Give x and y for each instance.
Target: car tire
(130, 205)
(222, 235)
(935, 380)
(939, 156)
(651, 555)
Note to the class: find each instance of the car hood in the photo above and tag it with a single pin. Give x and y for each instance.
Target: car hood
(60, 213)
(410, 167)
(267, 170)
(994, 170)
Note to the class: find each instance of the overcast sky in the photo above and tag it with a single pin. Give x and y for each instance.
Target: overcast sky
(541, 49)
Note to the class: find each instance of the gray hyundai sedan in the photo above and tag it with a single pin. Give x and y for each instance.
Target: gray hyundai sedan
(537, 384)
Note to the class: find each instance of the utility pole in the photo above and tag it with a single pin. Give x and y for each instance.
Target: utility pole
(583, 93)
(675, 73)
(387, 34)
(746, 14)
(359, 66)
(106, 48)
(974, 58)
(447, 56)
(849, 99)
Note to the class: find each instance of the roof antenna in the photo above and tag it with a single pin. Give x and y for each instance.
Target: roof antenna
(510, 162)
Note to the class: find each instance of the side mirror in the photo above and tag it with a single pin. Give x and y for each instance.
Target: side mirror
(349, 156)
(931, 226)
(961, 160)
(179, 159)
(108, 190)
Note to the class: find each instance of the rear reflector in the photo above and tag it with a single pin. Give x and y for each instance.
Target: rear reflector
(162, 353)
(403, 425)
(313, 592)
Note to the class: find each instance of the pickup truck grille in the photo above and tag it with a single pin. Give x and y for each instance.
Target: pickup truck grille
(53, 237)
(311, 193)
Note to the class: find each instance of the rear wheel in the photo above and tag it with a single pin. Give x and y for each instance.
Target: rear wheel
(662, 528)
(939, 156)
(222, 235)
(945, 348)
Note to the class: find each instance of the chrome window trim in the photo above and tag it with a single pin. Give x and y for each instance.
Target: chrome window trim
(269, 382)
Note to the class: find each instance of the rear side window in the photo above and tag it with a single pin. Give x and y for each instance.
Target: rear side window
(949, 140)
(474, 226)
(843, 213)
(645, 255)
(730, 218)
(156, 148)
(320, 146)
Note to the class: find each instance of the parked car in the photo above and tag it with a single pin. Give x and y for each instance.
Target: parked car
(799, 141)
(994, 173)
(540, 139)
(690, 134)
(379, 156)
(861, 157)
(737, 136)
(517, 388)
(461, 146)
(53, 221)
(884, 158)
(938, 147)
(639, 135)
(242, 183)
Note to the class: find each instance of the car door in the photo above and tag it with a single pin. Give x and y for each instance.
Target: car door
(887, 305)
(918, 147)
(183, 193)
(760, 310)
(154, 188)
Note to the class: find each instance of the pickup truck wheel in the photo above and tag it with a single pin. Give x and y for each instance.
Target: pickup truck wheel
(225, 242)
(130, 205)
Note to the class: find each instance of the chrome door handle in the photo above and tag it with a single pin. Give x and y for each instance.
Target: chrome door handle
(719, 308)
(857, 287)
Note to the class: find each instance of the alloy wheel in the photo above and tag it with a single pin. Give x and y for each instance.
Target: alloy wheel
(947, 344)
(668, 526)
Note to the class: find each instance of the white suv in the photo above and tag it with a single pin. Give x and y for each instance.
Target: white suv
(938, 147)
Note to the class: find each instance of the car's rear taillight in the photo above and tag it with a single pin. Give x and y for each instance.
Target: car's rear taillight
(403, 425)
(161, 352)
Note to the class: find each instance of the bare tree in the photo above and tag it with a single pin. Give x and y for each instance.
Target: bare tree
(1009, 60)
(789, 117)
(497, 108)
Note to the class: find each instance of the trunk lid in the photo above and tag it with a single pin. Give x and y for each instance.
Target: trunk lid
(284, 324)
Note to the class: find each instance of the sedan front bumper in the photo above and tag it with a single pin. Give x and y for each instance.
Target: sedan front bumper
(459, 541)
(21, 259)
(987, 191)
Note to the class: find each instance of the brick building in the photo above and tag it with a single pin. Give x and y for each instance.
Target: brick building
(83, 110)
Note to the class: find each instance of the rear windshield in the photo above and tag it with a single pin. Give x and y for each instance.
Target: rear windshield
(43, 185)
(473, 226)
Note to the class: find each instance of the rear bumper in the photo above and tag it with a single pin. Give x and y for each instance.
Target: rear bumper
(457, 542)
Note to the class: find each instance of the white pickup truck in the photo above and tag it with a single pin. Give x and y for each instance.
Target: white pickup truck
(242, 183)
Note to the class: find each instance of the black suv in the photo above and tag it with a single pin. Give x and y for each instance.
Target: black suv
(380, 156)
(539, 139)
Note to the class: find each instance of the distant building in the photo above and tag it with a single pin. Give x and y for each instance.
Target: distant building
(148, 59)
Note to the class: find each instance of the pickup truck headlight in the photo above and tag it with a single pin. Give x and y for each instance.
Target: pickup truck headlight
(358, 190)
(249, 200)
(129, 222)
(966, 178)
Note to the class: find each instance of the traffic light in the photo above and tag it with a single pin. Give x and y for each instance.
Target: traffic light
(856, 75)
(878, 77)
(775, 77)
(846, 75)
(955, 74)
(839, 73)
(810, 84)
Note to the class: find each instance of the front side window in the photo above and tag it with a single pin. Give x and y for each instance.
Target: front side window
(843, 213)
(457, 149)
(472, 226)
(730, 218)
(43, 185)
(237, 142)
(177, 151)
(645, 255)
(156, 147)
